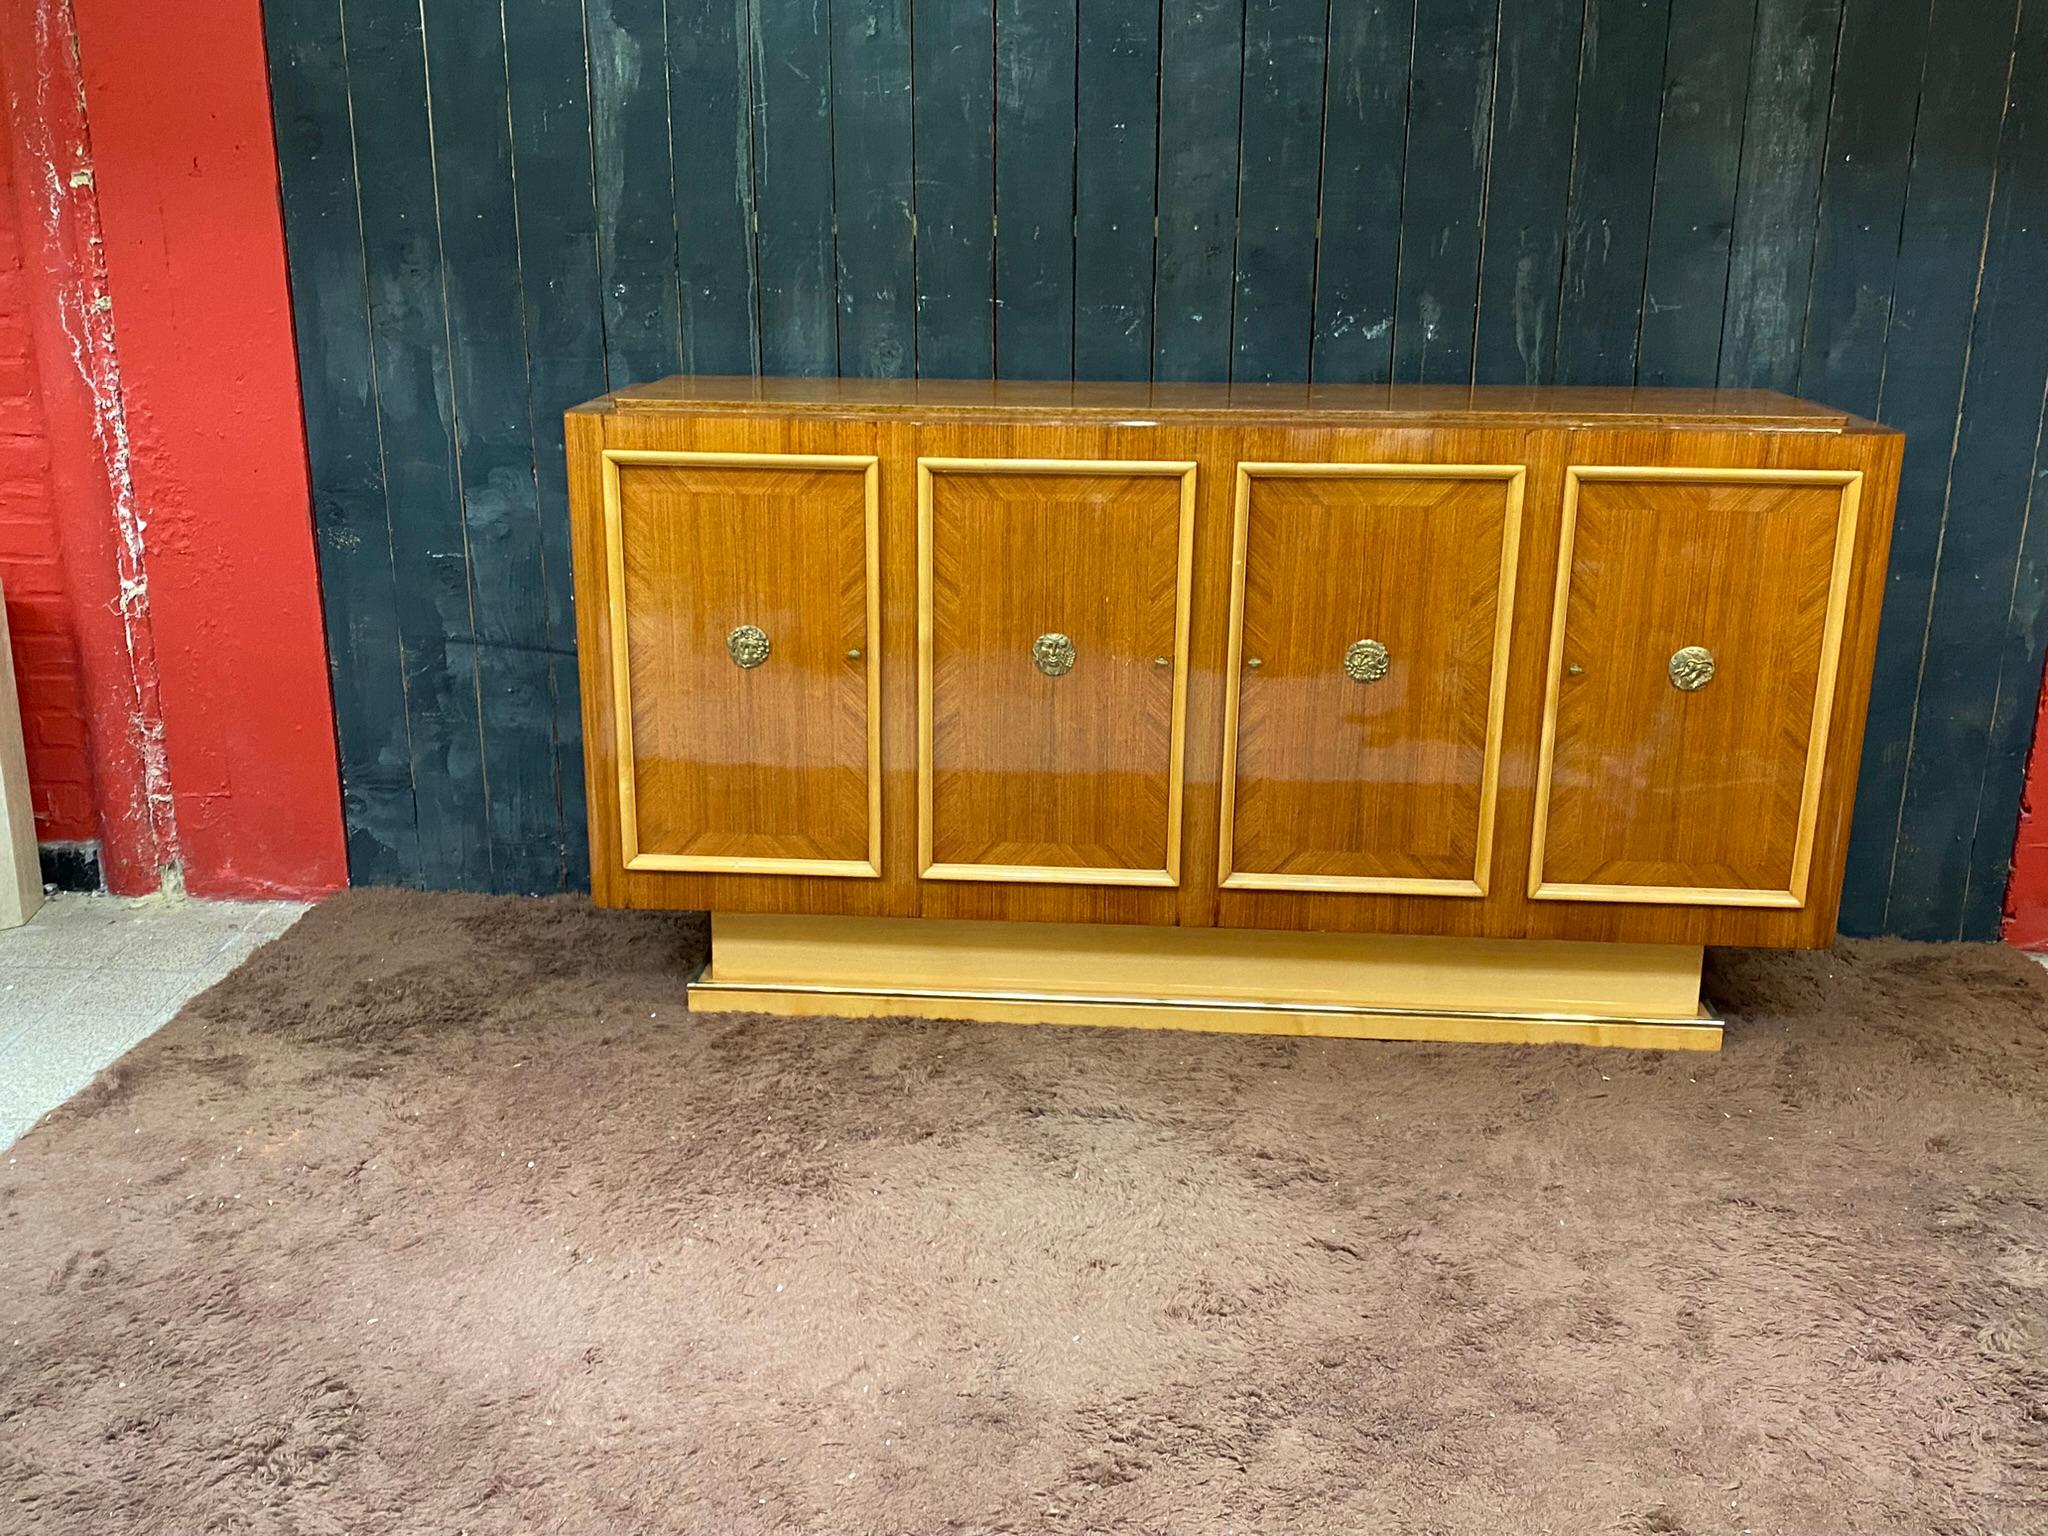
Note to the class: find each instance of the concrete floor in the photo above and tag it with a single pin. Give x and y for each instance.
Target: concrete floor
(90, 976)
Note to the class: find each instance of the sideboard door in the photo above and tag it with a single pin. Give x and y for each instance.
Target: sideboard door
(744, 601)
(1371, 606)
(1052, 628)
(1693, 659)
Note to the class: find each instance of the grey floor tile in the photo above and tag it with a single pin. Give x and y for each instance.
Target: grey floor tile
(96, 1037)
(130, 989)
(39, 945)
(90, 977)
(166, 949)
(32, 990)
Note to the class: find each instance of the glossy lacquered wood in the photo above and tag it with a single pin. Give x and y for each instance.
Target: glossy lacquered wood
(1052, 656)
(1648, 791)
(1306, 800)
(1371, 608)
(1038, 402)
(706, 547)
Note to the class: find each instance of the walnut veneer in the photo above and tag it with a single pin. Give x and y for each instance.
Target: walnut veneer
(1366, 659)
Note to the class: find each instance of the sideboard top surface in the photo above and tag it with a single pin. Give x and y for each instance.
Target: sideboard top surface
(1284, 404)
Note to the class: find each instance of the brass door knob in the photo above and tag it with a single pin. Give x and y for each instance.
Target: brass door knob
(1691, 668)
(1053, 654)
(1366, 661)
(747, 646)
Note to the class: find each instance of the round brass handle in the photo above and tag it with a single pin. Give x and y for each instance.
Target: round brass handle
(1691, 668)
(1254, 662)
(747, 646)
(1053, 654)
(1366, 661)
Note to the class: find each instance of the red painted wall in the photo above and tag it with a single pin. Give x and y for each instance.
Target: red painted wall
(2026, 898)
(155, 306)
(178, 99)
(31, 558)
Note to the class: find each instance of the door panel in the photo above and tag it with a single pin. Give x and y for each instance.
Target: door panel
(1694, 650)
(744, 595)
(1053, 612)
(1370, 612)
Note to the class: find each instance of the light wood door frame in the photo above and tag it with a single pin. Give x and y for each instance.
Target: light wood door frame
(1054, 874)
(1846, 516)
(621, 662)
(1515, 477)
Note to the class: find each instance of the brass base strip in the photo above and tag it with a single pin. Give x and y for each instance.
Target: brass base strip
(1217, 1016)
(1326, 985)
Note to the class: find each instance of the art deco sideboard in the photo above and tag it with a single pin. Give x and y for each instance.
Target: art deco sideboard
(1404, 712)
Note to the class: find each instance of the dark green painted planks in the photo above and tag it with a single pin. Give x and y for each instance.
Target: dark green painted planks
(1837, 196)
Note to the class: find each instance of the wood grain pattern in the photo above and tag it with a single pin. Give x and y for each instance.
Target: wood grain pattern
(1389, 784)
(1071, 778)
(1931, 312)
(1026, 402)
(344, 447)
(1023, 823)
(725, 768)
(1645, 791)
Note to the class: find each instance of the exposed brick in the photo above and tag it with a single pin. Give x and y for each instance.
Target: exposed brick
(31, 570)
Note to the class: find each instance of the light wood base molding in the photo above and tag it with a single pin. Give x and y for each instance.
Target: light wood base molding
(1348, 986)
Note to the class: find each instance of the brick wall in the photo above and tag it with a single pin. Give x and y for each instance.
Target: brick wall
(38, 614)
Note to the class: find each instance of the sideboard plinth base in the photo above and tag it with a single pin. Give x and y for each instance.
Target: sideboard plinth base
(1243, 981)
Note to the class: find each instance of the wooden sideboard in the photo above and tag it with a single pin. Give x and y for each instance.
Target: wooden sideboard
(1359, 710)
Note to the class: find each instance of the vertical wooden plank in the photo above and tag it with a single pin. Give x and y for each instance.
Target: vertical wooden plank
(636, 217)
(1962, 785)
(409, 331)
(1365, 149)
(792, 69)
(472, 158)
(564, 323)
(1692, 219)
(1857, 252)
(2014, 714)
(711, 147)
(1969, 48)
(1528, 191)
(1450, 125)
(330, 308)
(1035, 70)
(953, 129)
(1201, 77)
(1279, 188)
(1862, 196)
(871, 147)
(1116, 171)
(1783, 144)
(1607, 236)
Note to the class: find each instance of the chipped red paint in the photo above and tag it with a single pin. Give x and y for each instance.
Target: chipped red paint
(146, 179)
(92, 497)
(186, 171)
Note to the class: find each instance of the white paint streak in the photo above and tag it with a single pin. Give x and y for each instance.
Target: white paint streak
(85, 314)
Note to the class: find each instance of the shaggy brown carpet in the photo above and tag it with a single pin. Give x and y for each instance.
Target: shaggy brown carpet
(441, 1215)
